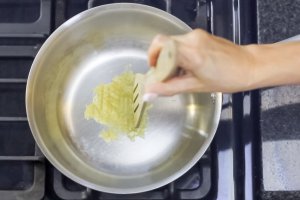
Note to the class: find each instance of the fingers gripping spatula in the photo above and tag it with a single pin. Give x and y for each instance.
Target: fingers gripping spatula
(166, 68)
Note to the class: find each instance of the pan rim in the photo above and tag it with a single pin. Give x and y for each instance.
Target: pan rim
(34, 127)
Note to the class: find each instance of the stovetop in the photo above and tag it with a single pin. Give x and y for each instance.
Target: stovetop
(230, 169)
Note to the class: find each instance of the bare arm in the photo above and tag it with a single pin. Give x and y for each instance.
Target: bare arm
(213, 64)
(275, 64)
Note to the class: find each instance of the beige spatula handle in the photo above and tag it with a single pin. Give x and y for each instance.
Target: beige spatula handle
(166, 65)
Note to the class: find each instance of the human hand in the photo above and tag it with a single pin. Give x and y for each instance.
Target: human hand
(211, 64)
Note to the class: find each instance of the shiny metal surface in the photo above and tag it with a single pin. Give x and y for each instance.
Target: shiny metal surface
(92, 48)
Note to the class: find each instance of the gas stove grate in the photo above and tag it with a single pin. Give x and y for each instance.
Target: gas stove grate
(38, 28)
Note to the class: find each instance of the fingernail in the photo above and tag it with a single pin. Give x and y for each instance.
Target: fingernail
(148, 97)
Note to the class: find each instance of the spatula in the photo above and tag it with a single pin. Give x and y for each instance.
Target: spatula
(166, 68)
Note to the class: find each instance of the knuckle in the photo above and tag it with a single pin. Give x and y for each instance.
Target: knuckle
(200, 32)
(159, 38)
(198, 36)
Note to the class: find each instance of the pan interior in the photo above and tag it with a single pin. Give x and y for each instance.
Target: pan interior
(123, 156)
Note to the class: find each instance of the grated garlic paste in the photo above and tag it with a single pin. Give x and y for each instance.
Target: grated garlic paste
(112, 107)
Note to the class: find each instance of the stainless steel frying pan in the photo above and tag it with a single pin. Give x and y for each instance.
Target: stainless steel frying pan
(92, 48)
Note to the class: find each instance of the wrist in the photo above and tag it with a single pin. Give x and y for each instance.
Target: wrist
(252, 67)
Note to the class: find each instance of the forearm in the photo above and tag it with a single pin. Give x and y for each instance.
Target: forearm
(275, 64)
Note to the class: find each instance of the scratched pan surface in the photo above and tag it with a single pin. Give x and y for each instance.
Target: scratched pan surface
(92, 48)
